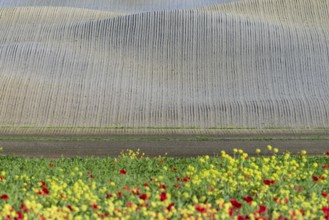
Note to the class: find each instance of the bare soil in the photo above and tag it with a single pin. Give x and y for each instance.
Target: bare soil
(173, 146)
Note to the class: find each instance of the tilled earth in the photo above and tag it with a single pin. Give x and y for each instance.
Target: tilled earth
(173, 146)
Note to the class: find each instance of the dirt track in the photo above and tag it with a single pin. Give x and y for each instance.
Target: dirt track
(176, 146)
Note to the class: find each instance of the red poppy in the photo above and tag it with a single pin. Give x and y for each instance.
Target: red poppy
(236, 204)
(261, 209)
(186, 179)
(45, 191)
(327, 153)
(143, 196)
(169, 207)
(43, 185)
(4, 197)
(324, 194)
(163, 196)
(146, 185)
(268, 182)
(69, 207)
(248, 199)
(24, 208)
(325, 209)
(123, 172)
(95, 206)
(200, 209)
(19, 216)
(108, 195)
(230, 211)
(315, 178)
(240, 217)
(326, 166)
(120, 194)
(162, 186)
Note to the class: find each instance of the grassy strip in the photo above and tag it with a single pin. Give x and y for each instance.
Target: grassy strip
(133, 186)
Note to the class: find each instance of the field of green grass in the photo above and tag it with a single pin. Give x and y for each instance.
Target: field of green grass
(133, 186)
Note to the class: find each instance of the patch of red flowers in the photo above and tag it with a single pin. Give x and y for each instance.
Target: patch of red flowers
(184, 179)
(19, 216)
(240, 217)
(248, 199)
(70, 208)
(315, 178)
(261, 209)
(325, 210)
(268, 182)
(123, 172)
(169, 207)
(4, 197)
(44, 190)
(24, 208)
(143, 197)
(95, 206)
(108, 195)
(235, 204)
(200, 208)
(163, 196)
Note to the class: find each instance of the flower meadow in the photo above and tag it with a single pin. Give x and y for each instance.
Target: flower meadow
(134, 186)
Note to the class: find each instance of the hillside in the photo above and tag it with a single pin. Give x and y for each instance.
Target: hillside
(167, 64)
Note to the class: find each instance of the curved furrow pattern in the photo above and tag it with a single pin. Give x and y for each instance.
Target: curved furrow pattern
(239, 65)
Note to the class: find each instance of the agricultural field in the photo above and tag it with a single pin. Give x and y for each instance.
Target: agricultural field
(134, 186)
(141, 66)
(85, 77)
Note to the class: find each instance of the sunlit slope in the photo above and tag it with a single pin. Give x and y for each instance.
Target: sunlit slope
(132, 6)
(224, 66)
(289, 12)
